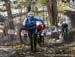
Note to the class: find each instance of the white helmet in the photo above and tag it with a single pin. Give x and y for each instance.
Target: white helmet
(31, 13)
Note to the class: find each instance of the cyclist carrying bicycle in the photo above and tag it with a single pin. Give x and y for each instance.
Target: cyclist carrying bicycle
(30, 24)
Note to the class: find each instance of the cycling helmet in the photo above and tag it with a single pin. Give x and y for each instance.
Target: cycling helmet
(31, 13)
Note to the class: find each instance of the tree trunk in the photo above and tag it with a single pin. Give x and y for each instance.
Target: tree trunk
(29, 5)
(11, 25)
(48, 3)
(52, 11)
(8, 7)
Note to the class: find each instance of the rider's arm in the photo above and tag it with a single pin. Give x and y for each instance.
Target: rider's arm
(25, 22)
(41, 20)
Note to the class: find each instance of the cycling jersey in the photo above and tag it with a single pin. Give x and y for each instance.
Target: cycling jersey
(28, 21)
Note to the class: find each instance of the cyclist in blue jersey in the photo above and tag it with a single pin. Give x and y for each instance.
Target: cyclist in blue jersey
(30, 24)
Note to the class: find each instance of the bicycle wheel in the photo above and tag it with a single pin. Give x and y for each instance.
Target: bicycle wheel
(24, 37)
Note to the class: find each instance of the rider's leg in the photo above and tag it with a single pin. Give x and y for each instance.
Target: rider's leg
(66, 34)
(35, 41)
(39, 40)
(31, 40)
